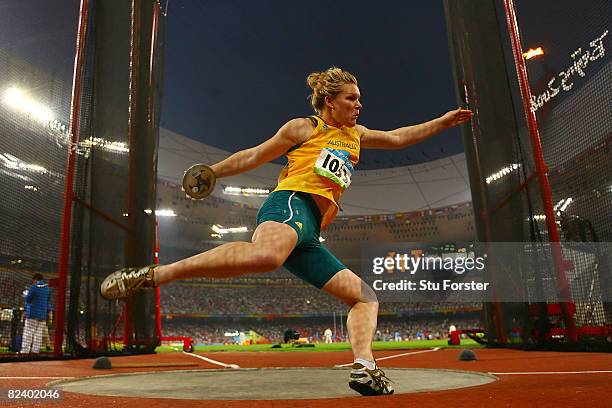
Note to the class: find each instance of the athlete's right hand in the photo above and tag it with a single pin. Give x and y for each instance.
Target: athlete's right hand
(199, 181)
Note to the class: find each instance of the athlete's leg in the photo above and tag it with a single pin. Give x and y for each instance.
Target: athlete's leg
(362, 317)
(365, 377)
(271, 244)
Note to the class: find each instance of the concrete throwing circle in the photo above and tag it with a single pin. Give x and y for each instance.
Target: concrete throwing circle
(262, 383)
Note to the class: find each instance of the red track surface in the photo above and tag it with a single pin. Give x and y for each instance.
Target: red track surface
(559, 390)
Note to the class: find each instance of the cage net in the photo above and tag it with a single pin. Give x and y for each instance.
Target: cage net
(566, 49)
(34, 118)
(113, 184)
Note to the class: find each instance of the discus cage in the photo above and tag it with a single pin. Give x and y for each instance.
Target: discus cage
(79, 118)
(537, 76)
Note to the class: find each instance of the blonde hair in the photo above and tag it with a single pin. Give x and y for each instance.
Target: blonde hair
(327, 83)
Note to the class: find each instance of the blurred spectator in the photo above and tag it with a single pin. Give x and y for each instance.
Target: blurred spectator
(328, 336)
(38, 309)
(203, 332)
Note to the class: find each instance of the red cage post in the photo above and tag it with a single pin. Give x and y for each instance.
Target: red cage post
(541, 168)
(75, 106)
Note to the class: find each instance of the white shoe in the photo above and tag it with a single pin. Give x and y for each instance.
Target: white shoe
(369, 382)
(127, 281)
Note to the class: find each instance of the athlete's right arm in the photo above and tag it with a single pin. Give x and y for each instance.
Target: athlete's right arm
(290, 134)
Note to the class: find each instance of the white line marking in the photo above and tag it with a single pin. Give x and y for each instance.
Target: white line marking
(396, 356)
(36, 378)
(407, 354)
(211, 361)
(290, 209)
(556, 372)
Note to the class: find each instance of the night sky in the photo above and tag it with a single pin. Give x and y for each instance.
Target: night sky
(235, 70)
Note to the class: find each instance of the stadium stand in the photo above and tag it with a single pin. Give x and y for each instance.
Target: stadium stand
(432, 328)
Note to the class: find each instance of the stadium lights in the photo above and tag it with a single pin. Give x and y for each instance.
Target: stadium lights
(119, 147)
(218, 229)
(165, 213)
(246, 191)
(501, 173)
(562, 205)
(16, 98)
(533, 52)
(14, 163)
(160, 213)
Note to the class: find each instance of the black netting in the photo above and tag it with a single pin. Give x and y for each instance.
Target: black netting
(571, 96)
(113, 208)
(36, 55)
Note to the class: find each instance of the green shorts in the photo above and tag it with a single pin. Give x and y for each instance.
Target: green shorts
(309, 260)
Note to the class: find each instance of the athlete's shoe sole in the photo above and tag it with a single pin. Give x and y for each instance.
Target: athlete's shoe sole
(125, 282)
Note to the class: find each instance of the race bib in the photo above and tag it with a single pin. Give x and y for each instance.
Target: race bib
(335, 165)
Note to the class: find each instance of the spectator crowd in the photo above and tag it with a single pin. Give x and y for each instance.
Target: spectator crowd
(203, 332)
(230, 299)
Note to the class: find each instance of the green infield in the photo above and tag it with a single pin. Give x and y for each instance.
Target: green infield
(377, 345)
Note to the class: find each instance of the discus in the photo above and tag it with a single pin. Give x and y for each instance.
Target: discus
(199, 181)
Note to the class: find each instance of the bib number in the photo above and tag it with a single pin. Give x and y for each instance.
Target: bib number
(335, 165)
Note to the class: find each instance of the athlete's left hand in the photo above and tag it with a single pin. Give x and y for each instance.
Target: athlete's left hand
(456, 117)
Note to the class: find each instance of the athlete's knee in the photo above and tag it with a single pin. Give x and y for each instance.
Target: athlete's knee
(367, 294)
(267, 260)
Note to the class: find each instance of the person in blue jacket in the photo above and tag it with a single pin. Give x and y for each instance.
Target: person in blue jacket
(37, 309)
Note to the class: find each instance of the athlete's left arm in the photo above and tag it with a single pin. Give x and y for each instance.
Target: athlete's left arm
(409, 135)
